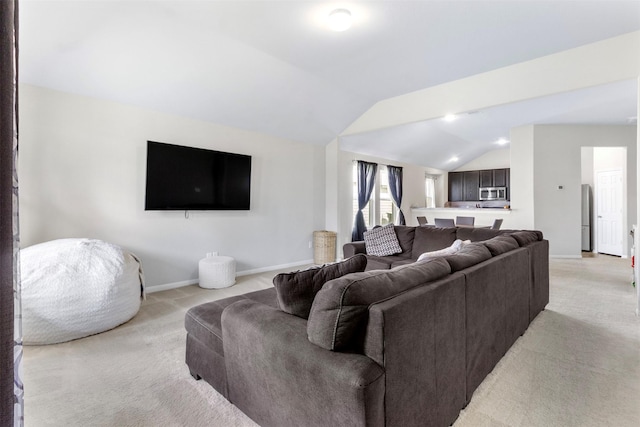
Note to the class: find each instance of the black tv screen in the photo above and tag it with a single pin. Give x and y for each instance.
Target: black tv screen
(187, 178)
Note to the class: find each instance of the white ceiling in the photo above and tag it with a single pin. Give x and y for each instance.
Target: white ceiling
(273, 67)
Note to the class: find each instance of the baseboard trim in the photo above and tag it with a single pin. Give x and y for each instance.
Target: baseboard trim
(566, 256)
(181, 284)
(274, 267)
(168, 286)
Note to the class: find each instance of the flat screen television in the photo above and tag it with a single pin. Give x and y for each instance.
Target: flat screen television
(188, 178)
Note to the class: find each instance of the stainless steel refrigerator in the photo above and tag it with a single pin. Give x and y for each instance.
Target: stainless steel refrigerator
(587, 207)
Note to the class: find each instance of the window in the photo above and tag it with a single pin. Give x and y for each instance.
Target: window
(430, 190)
(381, 209)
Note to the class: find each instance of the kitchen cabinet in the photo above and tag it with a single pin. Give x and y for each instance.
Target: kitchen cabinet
(499, 177)
(486, 178)
(456, 186)
(493, 177)
(508, 183)
(465, 186)
(471, 185)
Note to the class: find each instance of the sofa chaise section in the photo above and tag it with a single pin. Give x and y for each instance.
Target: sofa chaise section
(204, 350)
(279, 378)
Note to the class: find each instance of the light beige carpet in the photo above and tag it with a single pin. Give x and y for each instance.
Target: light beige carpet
(578, 364)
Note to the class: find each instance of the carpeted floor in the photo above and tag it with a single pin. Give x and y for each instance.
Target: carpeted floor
(578, 364)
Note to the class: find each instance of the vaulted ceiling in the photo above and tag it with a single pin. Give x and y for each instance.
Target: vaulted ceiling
(274, 67)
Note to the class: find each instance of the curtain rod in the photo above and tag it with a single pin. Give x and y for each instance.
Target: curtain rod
(355, 160)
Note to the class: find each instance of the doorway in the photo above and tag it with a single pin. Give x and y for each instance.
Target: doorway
(609, 212)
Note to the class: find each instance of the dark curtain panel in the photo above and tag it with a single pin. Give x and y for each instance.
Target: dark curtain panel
(366, 180)
(10, 347)
(395, 185)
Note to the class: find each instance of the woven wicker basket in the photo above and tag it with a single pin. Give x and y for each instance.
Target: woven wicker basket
(324, 246)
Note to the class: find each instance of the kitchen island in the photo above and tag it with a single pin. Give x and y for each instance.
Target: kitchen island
(484, 217)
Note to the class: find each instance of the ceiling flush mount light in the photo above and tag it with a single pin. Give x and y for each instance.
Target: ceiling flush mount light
(449, 117)
(340, 20)
(454, 159)
(502, 141)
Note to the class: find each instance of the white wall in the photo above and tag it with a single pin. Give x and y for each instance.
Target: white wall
(587, 166)
(82, 174)
(495, 159)
(521, 178)
(557, 161)
(413, 190)
(332, 185)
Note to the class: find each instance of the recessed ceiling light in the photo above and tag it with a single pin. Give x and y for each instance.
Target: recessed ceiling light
(502, 141)
(340, 20)
(454, 159)
(449, 117)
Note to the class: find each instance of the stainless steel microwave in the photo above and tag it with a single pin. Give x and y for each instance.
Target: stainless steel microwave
(493, 193)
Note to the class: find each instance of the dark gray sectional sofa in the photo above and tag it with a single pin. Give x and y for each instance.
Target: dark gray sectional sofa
(404, 344)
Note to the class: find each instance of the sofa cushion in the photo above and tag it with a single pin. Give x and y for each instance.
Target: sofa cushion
(501, 244)
(477, 234)
(340, 310)
(384, 262)
(429, 239)
(382, 241)
(405, 235)
(403, 261)
(297, 290)
(525, 237)
(468, 255)
(204, 321)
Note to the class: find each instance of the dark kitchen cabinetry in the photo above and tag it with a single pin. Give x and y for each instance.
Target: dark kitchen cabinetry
(465, 186)
(486, 178)
(500, 177)
(471, 185)
(493, 177)
(456, 186)
(508, 183)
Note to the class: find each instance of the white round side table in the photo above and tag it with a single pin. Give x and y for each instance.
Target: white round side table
(217, 272)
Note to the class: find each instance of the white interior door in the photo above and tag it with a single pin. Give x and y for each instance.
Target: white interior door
(609, 212)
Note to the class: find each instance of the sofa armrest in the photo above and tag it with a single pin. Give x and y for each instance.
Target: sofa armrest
(269, 359)
(352, 248)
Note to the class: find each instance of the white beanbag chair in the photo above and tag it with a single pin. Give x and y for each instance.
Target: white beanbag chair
(72, 288)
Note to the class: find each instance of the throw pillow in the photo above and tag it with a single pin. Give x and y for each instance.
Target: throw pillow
(296, 290)
(501, 244)
(428, 239)
(382, 241)
(455, 247)
(525, 237)
(468, 255)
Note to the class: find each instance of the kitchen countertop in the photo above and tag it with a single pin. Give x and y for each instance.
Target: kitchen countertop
(484, 217)
(452, 210)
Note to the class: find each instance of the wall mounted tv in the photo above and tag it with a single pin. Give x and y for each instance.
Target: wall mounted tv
(187, 178)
